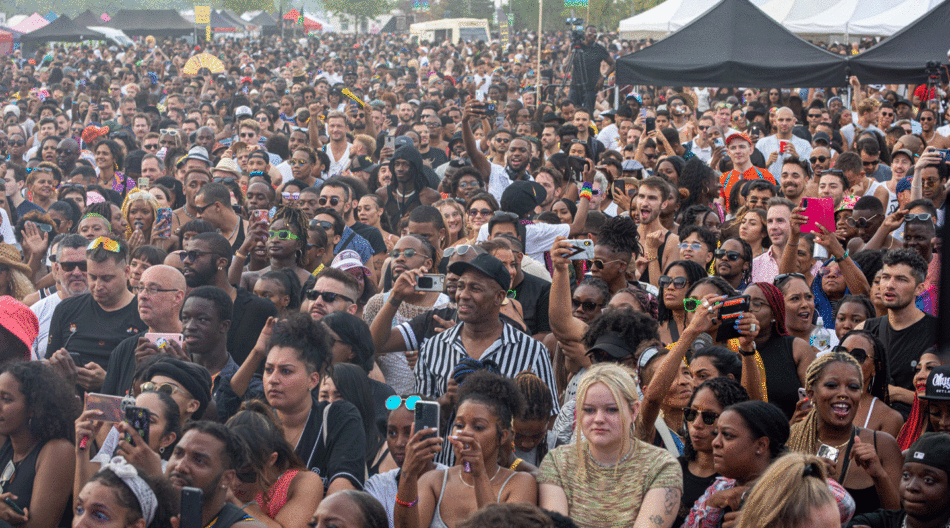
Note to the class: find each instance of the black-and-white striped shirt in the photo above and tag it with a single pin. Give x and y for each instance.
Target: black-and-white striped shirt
(514, 352)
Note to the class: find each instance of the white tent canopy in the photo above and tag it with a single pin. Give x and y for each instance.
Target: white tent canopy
(838, 18)
(888, 22)
(664, 18)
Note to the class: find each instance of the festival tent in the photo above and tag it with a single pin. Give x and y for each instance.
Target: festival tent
(63, 29)
(32, 23)
(15, 19)
(6, 42)
(87, 18)
(158, 22)
(786, 11)
(663, 19)
(741, 46)
(263, 19)
(892, 20)
(902, 58)
(837, 19)
(221, 23)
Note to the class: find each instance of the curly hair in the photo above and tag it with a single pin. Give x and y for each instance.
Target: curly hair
(869, 261)
(497, 392)
(804, 436)
(776, 302)
(289, 283)
(308, 337)
(620, 235)
(503, 515)
(879, 381)
(693, 177)
(727, 392)
(598, 284)
(717, 282)
(51, 405)
(634, 327)
(168, 497)
(647, 301)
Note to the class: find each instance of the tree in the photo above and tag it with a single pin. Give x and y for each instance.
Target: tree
(358, 10)
(240, 6)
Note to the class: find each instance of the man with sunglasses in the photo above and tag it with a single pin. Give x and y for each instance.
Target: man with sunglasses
(932, 181)
(700, 145)
(334, 291)
(68, 258)
(867, 217)
(213, 204)
(160, 294)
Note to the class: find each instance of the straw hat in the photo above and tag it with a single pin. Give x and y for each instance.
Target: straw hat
(10, 257)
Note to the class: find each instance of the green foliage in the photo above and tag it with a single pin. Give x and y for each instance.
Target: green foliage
(240, 6)
(357, 9)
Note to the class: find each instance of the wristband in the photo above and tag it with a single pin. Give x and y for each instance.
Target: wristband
(407, 504)
(517, 463)
(586, 193)
(747, 353)
(843, 257)
(587, 186)
(394, 302)
(242, 257)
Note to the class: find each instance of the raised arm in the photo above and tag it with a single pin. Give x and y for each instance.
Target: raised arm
(384, 338)
(580, 219)
(479, 161)
(564, 325)
(789, 263)
(853, 278)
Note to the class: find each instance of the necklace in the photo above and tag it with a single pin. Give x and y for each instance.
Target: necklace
(838, 447)
(904, 524)
(608, 466)
(497, 469)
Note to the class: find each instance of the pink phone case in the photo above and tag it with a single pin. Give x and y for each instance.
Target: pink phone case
(818, 211)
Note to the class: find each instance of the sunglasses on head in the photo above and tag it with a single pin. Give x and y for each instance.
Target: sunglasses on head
(167, 388)
(728, 255)
(857, 353)
(690, 414)
(920, 217)
(169, 131)
(587, 306)
(781, 278)
(861, 222)
(393, 402)
(665, 280)
(328, 297)
(333, 201)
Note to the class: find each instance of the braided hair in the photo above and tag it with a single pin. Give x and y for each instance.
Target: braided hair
(497, 392)
(777, 303)
(598, 284)
(467, 366)
(882, 373)
(727, 392)
(620, 235)
(296, 222)
(804, 436)
(537, 396)
(634, 327)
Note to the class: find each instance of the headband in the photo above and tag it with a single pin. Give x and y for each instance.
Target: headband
(142, 491)
(97, 215)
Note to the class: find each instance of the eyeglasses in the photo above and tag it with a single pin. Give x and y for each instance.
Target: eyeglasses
(690, 414)
(691, 303)
(469, 184)
(587, 306)
(69, 266)
(151, 290)
(600, 263)
(202, 209)
(393, 402)
(408, 253)
(462, 250)
(167, 388)
(8, 472)
(861, 222)
(283, 234)
(479, 212)
(290, 196)
(781, 278)
(105, 243)
(695, 246)
(332, 200)
(818, 159)
(919, 217)
(321, 224)
(192, 255)
(328, 297)
(859, 354)
(169, 132)
(665, 280)
(728, 255)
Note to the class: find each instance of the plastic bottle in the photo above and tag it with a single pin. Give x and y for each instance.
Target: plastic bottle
(820, 337)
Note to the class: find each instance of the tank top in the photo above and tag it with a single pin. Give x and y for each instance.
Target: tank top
(276, 496)
(24, 474)
(866, 500)
(782, 383)
(437, 521)
(659, 256)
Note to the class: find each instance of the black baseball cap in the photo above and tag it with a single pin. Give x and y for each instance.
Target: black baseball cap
(612, 344)
(521, 197)
(486, 265)
(932, 449)
(938, 384)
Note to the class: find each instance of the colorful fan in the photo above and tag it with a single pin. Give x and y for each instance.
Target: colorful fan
(203, 60)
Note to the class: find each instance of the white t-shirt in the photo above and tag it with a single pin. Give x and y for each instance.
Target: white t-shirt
(538, 237)
(338, 165)
(770, 144)
(610, 137)
(44, 312)
(499, 180)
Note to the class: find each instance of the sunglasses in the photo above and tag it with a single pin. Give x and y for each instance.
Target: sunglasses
(502, 140)
(919, 217)
(781, 278)
(290, 196)
(69, 266)
(818, 159)
(691, 303)
(328, 297)
(192, 255)
(167, 388)
(408, 253)
(587, 306)
(479, 212)
(202, 209)
(283, 234)
(861, 222)
(462, 250)
(246, 135)
(393, 402)
(599, 263)
(857, 353)
(294, 162)
(42, 226)
(824, 272)
(814, 115)
(248, 476)
(665, 280)
(695, 246)
(169, 131)
(150, 146)
(690, 415)
(652, 156)
(333, 200)
(729, 255)
(16, 142)
(321, 224)
(870, 163)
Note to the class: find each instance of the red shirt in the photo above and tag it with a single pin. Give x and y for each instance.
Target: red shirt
(729, 179)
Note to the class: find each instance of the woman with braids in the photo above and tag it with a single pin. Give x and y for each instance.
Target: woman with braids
(608, 460)
(733, 262)
(127, 497)
(487, 405)
(679, 276)
(866, 462)
(873, 411)
(785, 357)
(696, 462)
(275, 486)
(531, 426)
(917, 421)
(283, 289)
(38, 410)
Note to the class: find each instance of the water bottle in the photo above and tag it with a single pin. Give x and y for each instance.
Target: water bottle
(820, 337)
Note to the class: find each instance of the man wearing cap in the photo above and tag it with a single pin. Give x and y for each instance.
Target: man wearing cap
(783, 143)
(69, 271)
(740, 150)
(480, 334)
(161, 293)
(937, 394)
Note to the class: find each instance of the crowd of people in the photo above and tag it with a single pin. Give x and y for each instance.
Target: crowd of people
(633, 306)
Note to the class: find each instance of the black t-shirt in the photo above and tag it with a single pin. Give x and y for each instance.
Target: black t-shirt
(904, 347)
(533, 294)
(250, 315)
(435, 157)
(880, 519)
(341, 454)
(693, 489)
(590, 61)
(372, 235)
(95, 332)
(121, 367)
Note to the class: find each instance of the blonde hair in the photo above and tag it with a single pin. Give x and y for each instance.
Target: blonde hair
(621, 382)
(804, 434)
(250, 123)
(20, 285)
(787, 494)
(463, 231)
(367, 141)
(135, 195)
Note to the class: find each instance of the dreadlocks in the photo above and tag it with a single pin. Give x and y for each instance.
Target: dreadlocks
(620, 234)
(804, 435)
(296, 222)
(777, 303)
(537, 396)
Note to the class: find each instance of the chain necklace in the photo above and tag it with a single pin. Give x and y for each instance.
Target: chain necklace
(904, 524)
(606, 466)
(497, 469)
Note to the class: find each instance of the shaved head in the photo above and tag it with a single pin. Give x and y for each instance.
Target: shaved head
(165, 276)
(161, 308)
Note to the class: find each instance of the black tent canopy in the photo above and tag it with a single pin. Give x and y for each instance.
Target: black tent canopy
(88, 18)
(221, 23)
(63, 29)
(159, 22)
(263, 19)
(902, 57)
(733, 44)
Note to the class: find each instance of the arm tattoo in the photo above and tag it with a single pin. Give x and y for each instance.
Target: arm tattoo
(671, 500)
(657, 520)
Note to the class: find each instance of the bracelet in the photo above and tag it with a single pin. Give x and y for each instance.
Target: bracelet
(587, 186)
(394, 302)
(517, 462)
(843, 257)
(242, 257)
(586, 191)
(407, 504)
(654, 257)
(747, 353)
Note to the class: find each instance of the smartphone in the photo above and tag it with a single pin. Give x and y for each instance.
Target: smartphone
(632, 184)
(110, 406)
(718, 142)
(577, 163)
(820, 211)
(161, 340)
(803, 395)
(164, 217)
(620, 185)
(143, 183)
(430, 283)
(390, 142)
(583, 249)
(138, 418)
(945, 154)
(728, 314)
(426, 416)
(76, 358)
(13, 506)
(650, 124)
(190, 510)
(826, 451)
(260, 215)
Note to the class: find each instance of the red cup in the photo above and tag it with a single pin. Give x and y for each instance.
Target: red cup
(781, 146)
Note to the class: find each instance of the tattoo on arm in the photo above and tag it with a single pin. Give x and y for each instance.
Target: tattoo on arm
(671, 499)
(657, 520)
